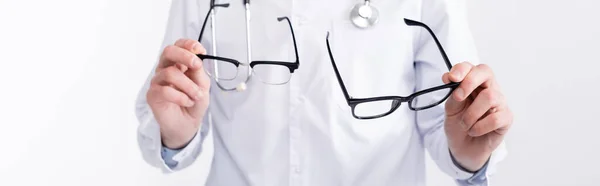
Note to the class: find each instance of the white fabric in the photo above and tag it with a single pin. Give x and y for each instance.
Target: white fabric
(303, 132)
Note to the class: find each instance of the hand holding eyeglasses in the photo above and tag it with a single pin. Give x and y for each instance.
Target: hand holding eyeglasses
(477, 116)
(178, 94)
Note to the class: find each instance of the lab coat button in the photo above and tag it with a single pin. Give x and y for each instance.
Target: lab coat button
(297, 170)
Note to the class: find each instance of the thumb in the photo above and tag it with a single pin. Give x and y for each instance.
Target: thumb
(453, 106)
(203, 81)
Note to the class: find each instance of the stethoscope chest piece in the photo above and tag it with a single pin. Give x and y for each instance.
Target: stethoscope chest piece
(364, 15)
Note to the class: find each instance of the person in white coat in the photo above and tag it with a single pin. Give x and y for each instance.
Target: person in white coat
(322, 101)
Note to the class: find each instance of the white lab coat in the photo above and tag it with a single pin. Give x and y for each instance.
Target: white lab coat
(303, 132)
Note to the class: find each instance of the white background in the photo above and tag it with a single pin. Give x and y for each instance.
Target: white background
(70, 71)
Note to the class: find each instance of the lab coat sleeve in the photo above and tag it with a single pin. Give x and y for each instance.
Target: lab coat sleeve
(183, 22)
(447, 19)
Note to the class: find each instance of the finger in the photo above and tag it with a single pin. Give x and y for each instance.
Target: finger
(172, 95)
(479, 76)
(446, 78)
(485, 101)
(175, 77)
(191, 45)
(459, 71)
(174, 54)
(498, 121)
(201, 79)
(181, 67)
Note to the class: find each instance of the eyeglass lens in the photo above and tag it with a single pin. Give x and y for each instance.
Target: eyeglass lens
(272, 74)
(430, 98)
(374, 108)
(221, 70)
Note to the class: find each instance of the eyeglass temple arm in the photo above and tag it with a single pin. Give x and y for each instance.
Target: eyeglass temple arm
(232, 61)
(212, 6)
(337, 73)
(437, 42)
(293, 36)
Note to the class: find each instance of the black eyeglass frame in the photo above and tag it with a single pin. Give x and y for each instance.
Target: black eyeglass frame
(396, 100)
(292, 66)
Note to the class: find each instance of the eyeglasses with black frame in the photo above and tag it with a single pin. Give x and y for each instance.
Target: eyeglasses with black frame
(377, 107)
(268, 72)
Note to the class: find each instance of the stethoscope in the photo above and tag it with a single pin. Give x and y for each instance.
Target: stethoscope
(363, 15)
(243, 85)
